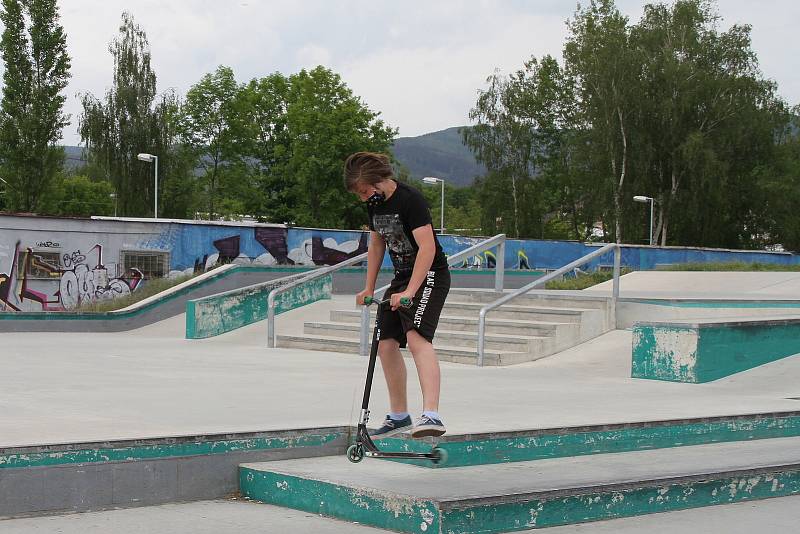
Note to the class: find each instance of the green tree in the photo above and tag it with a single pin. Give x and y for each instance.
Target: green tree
(212, 127)
(130, 120)
(34, 50)
(79, 196)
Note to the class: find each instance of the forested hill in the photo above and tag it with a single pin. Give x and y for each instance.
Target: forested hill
(441, 154)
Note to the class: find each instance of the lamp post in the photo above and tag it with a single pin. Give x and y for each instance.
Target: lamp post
(434, 180)
(640, 198)
(152, 159)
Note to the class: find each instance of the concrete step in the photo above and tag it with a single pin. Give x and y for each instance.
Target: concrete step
(470, 324)
(519, 312)
(472, 309)
(454, 354)
(457, 338)
(527, 495)
(541, 443)
(551, 298)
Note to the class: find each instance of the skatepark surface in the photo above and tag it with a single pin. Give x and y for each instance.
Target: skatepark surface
(63, 387)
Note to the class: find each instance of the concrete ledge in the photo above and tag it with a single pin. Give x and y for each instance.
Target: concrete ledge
(94, 476)
(527, 445)
(696, 352)
(530, 494)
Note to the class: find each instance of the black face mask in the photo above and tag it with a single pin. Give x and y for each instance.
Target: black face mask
(376, 199)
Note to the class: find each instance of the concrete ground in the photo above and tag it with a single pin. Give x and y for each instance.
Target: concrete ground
(241, 517)
(77, 387)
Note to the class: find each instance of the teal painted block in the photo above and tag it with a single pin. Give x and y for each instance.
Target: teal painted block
(396, 512)
(665, 353)
(703, 352)
(559, 443)
(224, 312)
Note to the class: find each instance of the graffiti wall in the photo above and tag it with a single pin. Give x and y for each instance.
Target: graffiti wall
(61, 264)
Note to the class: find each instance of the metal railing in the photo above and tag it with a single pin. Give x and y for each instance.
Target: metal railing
(616, 247)
(272, 335)
(498, 241)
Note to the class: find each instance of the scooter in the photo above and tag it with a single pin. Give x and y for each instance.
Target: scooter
(364, 446)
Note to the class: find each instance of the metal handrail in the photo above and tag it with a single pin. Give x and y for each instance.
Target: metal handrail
(498, 241)
(272, 335)
(616, 247)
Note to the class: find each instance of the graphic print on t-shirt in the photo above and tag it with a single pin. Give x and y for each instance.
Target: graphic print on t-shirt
(400, 248)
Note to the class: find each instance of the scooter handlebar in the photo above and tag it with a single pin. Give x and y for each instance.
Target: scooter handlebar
(404, 302)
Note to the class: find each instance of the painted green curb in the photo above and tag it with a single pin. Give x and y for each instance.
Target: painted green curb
(398, 512)
(481, 449)
(504, 513)
(618, 501)
(90, 453)
(706, 351)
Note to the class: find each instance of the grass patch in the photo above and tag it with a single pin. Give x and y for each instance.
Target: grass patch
(583, 280)
(730, 266)
(146, 290)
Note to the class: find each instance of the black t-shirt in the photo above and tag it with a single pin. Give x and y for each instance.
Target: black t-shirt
(396, 219)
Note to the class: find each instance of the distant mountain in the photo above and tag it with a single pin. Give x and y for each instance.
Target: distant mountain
(441, 154)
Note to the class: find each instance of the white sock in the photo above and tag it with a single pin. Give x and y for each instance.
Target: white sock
(432, 415)
(398, 416)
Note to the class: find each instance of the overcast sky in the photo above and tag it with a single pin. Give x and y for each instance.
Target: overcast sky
(420, 63)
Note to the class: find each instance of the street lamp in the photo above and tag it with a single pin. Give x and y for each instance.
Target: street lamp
(433, 180)
(640, 198)
(152, 159)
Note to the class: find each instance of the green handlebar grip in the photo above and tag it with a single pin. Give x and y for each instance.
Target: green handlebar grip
(405, 302)
(368, 300)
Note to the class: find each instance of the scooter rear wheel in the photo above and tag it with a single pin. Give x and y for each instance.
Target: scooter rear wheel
(439, 456)
(355, 453)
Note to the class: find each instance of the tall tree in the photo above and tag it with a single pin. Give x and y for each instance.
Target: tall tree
(212, 126)
(34, 50)
(130, 120)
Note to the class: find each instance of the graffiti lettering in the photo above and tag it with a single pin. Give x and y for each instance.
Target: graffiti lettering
(47, 244)
(70, 260)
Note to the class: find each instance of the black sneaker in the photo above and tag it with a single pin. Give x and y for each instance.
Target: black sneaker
(427, 426)
(391, 427)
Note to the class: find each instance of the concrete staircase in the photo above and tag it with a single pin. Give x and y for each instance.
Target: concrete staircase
(532, 326)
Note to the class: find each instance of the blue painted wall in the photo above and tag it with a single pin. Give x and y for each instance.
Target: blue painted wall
(195, 246)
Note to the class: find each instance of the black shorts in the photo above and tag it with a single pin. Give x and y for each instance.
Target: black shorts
(423, 315)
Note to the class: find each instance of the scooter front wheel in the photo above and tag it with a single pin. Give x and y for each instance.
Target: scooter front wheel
(355, 453)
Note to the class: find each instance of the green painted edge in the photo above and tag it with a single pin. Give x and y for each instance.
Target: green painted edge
(614, 502)
(717, 303)
(522, 448)
(650, 360)
(123, 315)
(399, 512)
(165, 450)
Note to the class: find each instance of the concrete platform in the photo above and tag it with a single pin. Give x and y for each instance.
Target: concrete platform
(697, 284)
(499, 498)
(79, 387)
